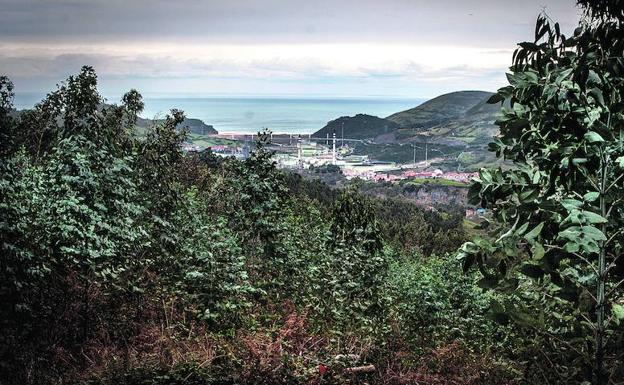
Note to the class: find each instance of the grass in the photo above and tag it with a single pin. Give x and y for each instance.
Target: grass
(472, 228)
(205, 141)
(403, 153)
(437, 182)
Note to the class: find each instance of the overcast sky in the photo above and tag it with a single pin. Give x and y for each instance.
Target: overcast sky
(394, 48)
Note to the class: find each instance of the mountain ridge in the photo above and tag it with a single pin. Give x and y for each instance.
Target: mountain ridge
(439, 110)
(456, 118)
(360, 126)
(456, 123)
(196, 126)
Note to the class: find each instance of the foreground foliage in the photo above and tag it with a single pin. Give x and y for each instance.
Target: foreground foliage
(125, 260)
(558, 212)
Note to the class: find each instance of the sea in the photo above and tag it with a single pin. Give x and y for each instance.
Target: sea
(301, 115)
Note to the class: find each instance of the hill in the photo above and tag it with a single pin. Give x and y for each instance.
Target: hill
(459, 124)
(195, 126)
(439, 110)
(360, 126)
(455, 119)
(469, 133)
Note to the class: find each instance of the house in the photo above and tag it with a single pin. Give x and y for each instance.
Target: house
(464, 177)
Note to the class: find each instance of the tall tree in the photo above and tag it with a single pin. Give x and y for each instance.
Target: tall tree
(559, 209)
(6, 106)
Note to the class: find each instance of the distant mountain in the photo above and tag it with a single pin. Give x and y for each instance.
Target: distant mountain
(468, 129)
(439, 110)
(485, 108)
(458, 123)
(458, 119)
(454, 124)
(195, 126)
(360, 126)
(461, 118)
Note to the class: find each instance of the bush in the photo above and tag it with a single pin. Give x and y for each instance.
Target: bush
(209, 274)
(434, 303)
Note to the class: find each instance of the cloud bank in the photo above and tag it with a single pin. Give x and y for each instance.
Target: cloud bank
(393, 47)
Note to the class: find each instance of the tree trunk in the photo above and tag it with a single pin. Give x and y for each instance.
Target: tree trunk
(600, 295)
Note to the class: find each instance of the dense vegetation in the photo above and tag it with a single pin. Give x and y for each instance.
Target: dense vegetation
(557, 235)
(126, 260)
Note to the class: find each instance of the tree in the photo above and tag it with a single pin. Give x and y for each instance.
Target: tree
(70, 212)
(6, 122)
(355, 266)
(209, 272)
(559, 210)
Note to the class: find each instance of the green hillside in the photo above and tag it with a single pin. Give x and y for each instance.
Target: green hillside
(458, 123)
(360, 126)
(460, 119)
(439, 110)
(195, 126)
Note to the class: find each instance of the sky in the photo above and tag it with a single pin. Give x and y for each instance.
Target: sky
(310, 48)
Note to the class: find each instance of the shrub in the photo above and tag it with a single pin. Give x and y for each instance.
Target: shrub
(434, 303)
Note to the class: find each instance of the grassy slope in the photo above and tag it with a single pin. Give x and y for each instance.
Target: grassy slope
(469, 131)
(439, 110)
(437, 182)
(401, 153)
(196, 126)
(475, 126)
(205, 141)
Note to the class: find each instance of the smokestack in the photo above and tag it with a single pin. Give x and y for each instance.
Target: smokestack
(334, 149)
(299, 152)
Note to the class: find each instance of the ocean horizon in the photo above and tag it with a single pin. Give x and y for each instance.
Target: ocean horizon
(297, 115)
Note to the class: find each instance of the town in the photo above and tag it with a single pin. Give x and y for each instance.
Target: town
(302, 152)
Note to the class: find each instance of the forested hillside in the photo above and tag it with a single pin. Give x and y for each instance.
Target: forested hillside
(126, 260)
(195, 126)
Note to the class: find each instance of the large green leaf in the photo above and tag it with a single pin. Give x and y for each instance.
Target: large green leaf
(591, 196)
(618, 312)
(593, 137)
(535, 232)
(571, 204)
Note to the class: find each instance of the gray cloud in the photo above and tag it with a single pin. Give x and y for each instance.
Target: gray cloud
(477, 22)
(44, 41)
(61, 66)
